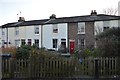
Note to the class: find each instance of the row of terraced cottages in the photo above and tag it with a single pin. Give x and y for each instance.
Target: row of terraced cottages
(64, 33)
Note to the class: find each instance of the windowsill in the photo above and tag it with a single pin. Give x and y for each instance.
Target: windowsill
(36, 34)
(55, 33)
(81, 33)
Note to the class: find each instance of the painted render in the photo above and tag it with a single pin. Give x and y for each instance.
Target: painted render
(48, 35)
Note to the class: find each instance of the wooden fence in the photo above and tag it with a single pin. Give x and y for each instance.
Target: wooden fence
(60, 67)
(42, 67)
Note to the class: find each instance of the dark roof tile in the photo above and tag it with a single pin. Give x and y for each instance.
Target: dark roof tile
(100, 17)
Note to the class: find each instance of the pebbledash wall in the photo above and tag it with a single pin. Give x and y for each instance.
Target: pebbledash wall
(56, 32)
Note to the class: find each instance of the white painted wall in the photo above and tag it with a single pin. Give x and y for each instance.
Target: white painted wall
(4, 37)
(22, 32)
(48, 35)
(62, 33)
(99, 25)
(114, 23)
(25, 32)
(29, 34)
(11, 36)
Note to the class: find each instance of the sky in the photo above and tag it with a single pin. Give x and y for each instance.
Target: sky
(42, 9)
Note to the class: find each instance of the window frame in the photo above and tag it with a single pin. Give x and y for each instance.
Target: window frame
(55, 43)
(81, 28)
(81, 43)
(36, 41)
(36, 30)
(55, 28)
(23, 41)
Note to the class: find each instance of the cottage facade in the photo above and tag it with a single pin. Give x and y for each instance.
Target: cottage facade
(65, 33)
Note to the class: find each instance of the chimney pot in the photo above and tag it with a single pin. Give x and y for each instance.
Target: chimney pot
(93, 13)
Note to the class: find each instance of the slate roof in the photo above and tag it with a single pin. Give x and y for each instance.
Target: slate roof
(87, 18)
(25, 23)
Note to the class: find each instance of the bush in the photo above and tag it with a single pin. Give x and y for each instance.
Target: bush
(26, 51)
(109, 42)
(23, 52)
(88, 53)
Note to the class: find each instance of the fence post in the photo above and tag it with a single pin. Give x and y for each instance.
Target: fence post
(96, 68)
(12, 66)
(118, 66)
(1, 65)
(30, 68)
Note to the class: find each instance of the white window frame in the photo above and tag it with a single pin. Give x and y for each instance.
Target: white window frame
(23, 41)
(81, 28)
(55, 45)
(55, 28)
(36, 42)
(36, 30)
(80, 45)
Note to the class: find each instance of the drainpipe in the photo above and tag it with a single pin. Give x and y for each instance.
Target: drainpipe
(7, 37)
(41, 36)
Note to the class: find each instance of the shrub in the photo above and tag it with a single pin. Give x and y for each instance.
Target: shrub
(27, 51)
(109, 42)
(23, 52)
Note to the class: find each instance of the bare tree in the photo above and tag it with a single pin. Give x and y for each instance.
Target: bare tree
(110, 11)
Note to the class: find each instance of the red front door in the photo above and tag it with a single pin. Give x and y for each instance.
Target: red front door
(72, 47)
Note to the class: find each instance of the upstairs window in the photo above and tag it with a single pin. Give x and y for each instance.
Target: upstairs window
(81, 28)
(55, 28)
(3, 31)
(16, 31)
(36, 29)
(55, 42)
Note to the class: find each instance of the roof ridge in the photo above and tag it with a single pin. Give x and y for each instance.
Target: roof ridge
(85, 18)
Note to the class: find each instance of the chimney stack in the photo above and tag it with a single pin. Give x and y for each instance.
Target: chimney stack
(93, 13)
(53, 16)
(21, 19)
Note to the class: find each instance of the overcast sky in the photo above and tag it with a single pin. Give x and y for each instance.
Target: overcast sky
(42, 9)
